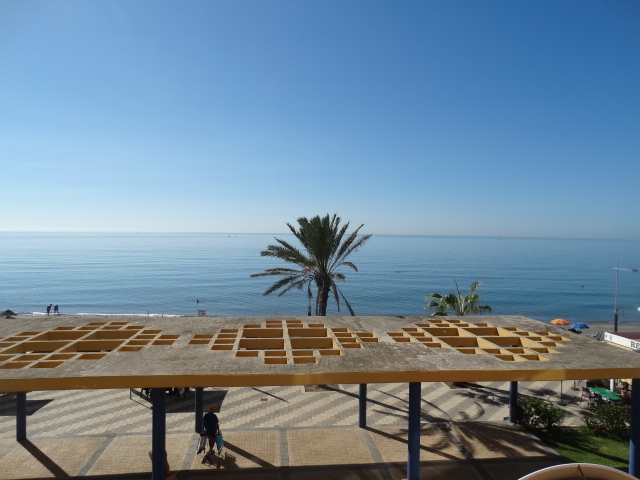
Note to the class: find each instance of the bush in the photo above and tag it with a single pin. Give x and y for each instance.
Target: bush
(609, 420)
(535, 414)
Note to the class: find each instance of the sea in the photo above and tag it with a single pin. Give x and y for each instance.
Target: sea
(178, 274)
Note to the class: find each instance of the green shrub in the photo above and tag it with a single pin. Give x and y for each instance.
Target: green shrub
(535, 414)
(609, 420)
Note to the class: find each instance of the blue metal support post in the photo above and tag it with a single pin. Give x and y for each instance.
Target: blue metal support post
(513, 401)
(158, 434)
(199, 405)
(21, 416)
(634, 443)
(362, 417)
(413, 463)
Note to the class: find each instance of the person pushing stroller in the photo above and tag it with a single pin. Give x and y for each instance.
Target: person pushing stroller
(211, 428)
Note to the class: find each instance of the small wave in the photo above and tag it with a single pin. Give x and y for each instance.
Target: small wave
(126, 314)
(87, 314)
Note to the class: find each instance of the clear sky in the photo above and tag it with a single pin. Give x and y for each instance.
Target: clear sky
(506, 118)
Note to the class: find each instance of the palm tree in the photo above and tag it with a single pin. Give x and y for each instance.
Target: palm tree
(461, 305)
(325, 251)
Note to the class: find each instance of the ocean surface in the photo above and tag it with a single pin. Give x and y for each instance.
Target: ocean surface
(178, 274)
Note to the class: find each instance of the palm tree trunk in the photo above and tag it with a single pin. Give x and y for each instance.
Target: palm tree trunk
(322, 300)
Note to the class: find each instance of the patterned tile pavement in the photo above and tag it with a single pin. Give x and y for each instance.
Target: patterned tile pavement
(280, 432)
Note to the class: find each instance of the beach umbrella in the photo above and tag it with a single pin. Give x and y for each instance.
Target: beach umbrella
(579, 325)
(559, 321)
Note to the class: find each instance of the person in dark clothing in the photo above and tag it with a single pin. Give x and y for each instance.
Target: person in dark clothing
(48, 309)
(211, 427)
(55, 309)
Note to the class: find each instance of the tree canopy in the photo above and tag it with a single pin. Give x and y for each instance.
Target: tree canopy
(456, 302)
(325, 246)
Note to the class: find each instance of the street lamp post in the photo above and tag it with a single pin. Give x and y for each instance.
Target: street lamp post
(615, 307)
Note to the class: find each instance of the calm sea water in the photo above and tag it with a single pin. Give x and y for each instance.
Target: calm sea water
(165, 274)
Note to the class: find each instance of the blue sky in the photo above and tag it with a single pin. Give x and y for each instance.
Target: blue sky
(419, 117)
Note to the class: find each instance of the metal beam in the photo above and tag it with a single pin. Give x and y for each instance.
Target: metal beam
(21, 416)
(634, 443)
(199, 406)
(362, 417)
(158, 434)
(413, 462)
(513, 401)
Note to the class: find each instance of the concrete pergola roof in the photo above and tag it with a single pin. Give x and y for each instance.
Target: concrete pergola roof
(77, 352)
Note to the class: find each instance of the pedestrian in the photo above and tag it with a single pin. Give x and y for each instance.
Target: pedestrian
(211, 427)
(55, 309)
(48, 309)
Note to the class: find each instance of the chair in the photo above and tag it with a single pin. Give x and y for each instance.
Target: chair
(588, 394)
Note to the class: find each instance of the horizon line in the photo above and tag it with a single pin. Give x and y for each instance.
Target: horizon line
(161, 232)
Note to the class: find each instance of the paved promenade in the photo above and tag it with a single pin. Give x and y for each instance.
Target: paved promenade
(282, 433)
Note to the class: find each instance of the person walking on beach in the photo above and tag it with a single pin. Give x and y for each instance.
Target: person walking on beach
(211, 427)
(48, 309)
(55, 309)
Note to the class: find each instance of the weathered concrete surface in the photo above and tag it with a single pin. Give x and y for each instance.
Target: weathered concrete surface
(185, 351)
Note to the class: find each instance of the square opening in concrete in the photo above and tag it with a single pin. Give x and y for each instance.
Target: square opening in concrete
(127, 348)
(110, 335)
(305, 360)
(262, 333)
(60, 335)
(344, 340)
(483, 331)
(247, 353)
(303, 353)
(443, 332)
(460, 341)
(261, 343)
(93, 346)
(275, 353)
(493, 351)
(14, 365)
(91, 356)
(333, 351)
(30, 357)
(311, 342)
(403, 339)
(506, 341)
(534, 357)
(469, 351)
(61, 356)
(518, 351)
(36, 347)
(275, 360)
(307, 332)
(46, 364)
